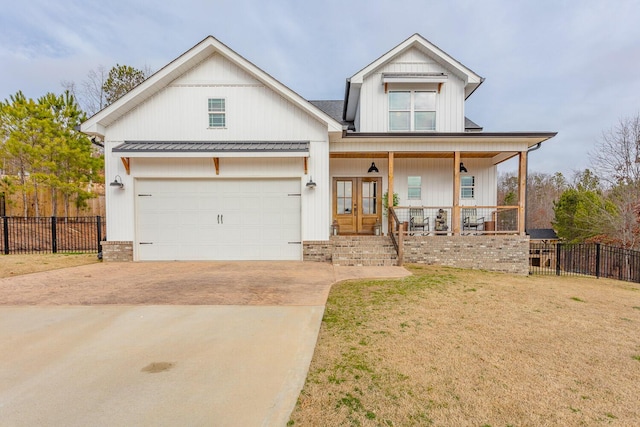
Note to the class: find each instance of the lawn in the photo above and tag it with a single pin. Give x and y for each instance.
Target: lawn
(449, 347)
(16, 265)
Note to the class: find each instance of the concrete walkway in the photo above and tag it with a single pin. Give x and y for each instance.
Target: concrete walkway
(234, 351)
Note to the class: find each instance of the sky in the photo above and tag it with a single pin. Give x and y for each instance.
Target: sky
(567, 66)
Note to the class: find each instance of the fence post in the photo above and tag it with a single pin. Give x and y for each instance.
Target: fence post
(99, 225)
(597, 260)
(558, 251)
(54, 237)
(5, 221)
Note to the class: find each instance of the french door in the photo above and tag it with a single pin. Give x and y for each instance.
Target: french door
(357, 204)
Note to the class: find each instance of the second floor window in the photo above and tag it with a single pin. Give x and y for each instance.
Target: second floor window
(217, 113)
(412, 110)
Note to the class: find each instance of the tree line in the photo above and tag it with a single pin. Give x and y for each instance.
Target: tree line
(42, 149)
(598, 204)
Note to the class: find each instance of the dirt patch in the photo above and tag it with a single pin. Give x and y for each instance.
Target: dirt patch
(16, 265)
(453, 347)
(155, 367)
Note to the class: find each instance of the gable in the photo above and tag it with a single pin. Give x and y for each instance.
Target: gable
(178, 68)
(254, 111)
(415, 53)
(215, 70)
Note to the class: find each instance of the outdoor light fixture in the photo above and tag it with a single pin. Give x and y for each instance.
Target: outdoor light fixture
(311, 184)
(462, 168)
(373, 168)
(117, 182)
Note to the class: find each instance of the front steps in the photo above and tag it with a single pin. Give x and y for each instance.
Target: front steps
(363, 251)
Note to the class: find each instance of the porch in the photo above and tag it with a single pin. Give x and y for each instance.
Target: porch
(430, 193)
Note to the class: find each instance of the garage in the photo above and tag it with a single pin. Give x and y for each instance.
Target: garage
(217, 219)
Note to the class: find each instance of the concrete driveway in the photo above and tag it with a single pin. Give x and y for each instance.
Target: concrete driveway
(222, 344)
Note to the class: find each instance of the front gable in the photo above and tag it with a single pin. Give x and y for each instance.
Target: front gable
(253, 110)
(416, 65)
(191, 62)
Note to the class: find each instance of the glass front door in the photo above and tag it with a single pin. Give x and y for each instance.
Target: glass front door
(357, 204)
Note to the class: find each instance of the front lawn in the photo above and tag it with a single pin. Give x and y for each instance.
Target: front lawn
(19, 264)
(449, 347)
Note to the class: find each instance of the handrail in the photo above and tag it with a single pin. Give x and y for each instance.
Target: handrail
(399, 242)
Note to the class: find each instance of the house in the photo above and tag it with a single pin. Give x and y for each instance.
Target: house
(213, 159)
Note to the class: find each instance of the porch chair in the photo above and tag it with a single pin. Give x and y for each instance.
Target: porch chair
(471, 220)
(418, 220)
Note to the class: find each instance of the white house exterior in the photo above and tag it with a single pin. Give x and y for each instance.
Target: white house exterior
(218, 160)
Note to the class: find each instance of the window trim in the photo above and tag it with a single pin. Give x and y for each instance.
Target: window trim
(414, 187)
(412, 110)
(471, 187)
(221, 113)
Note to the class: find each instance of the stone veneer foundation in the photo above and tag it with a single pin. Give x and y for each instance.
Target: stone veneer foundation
(117, 251)
(509, 254)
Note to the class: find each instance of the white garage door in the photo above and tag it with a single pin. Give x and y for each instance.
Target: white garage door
(191, 219)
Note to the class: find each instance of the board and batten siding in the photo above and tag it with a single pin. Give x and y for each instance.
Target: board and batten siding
(437, 179)
(374, 103)
(253, 113)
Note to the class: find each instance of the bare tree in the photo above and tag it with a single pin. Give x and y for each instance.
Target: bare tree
(90, 93)
(616, 158)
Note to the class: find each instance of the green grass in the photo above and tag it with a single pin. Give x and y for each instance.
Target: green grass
(577, 299)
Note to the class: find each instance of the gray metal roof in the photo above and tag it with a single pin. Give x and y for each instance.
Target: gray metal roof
(470, 125)
(211, 146)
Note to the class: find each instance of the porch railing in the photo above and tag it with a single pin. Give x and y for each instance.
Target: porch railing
(435, 220)
(396, 232)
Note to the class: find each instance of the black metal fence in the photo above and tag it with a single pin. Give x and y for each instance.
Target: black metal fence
(51, 234)
(592, 259)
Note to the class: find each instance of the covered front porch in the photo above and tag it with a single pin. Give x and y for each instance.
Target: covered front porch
(432, 193)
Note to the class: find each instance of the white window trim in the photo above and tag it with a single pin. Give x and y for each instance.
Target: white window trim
(217, 112)
(472, 187)
(412, 111)
(409, 187)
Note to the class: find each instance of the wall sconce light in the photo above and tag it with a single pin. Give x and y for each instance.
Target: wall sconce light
(311, 185)
(117, 182)
(373, 168)
(462, 168)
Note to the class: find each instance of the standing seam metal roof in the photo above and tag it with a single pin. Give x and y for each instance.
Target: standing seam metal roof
(211, 146)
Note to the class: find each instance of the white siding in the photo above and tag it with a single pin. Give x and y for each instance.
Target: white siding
(374, 101)
(254, 112)
(437, 178)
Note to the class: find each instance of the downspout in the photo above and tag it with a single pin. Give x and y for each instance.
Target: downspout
(526, 183)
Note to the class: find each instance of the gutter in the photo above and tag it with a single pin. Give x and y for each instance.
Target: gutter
(347, 90)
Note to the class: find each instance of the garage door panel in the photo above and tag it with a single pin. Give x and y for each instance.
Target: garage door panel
(220, 219)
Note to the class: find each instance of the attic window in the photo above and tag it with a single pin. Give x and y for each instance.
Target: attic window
(217, 113)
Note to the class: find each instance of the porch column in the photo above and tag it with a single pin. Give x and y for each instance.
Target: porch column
(522, 192)
(455, 215)
(390, 191)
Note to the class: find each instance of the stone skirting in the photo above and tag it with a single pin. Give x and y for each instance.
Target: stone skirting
(117, 251)
(509, 254)
(317, 250)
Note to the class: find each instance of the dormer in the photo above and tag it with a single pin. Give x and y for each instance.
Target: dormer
(415, 87)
